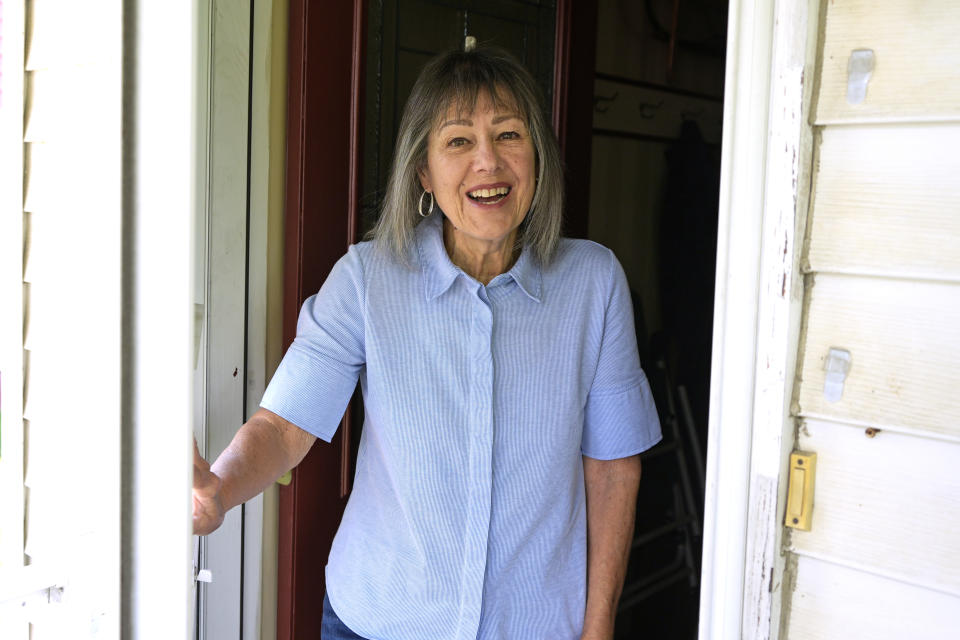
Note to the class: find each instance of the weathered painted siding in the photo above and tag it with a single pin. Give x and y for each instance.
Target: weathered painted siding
(883, 282)
(904, 337)
(833, 601)
(883, 500)
(917, 57)
(887, 201)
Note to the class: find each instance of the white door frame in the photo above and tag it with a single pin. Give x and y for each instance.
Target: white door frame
(764, 188)
(158, 212)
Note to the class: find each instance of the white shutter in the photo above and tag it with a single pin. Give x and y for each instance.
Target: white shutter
(13, 578)
(71, 239)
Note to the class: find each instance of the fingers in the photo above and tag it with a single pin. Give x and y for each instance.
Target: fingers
(198, 460)
(205, 482)
(207, 512)
(207, 509)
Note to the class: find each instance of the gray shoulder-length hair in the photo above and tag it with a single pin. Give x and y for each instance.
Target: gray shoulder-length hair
(456, 80)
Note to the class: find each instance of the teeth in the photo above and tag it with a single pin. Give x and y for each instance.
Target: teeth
(487, 193)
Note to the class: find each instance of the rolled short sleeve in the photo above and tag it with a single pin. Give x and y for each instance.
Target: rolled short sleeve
(620, 417)
(319, 372)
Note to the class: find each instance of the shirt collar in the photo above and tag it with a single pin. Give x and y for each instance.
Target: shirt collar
(439, 272)
(526, 273)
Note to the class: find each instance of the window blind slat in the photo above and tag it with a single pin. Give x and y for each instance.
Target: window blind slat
(66, 32)
(78, 104)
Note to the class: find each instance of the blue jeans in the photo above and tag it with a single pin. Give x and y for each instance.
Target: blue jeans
(332, 628)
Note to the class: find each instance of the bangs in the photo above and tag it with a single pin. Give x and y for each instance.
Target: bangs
(459, 87)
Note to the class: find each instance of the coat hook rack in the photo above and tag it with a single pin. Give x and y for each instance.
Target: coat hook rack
(648, 110)
(606, 99)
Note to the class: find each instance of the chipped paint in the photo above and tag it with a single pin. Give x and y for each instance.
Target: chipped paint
(789, 174)
(763, 550)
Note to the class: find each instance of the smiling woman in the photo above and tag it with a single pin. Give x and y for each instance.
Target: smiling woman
(504, 404)
(474, 121)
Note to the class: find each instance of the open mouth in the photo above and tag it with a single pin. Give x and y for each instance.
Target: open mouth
(489, 196)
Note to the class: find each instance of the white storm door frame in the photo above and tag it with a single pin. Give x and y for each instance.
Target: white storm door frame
(765, 169)
(228, 606)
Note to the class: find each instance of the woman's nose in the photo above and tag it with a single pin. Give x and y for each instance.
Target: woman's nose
(486, 157)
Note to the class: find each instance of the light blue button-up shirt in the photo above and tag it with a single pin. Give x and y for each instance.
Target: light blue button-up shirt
(467, 518)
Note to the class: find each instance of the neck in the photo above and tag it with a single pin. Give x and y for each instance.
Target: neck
(479, 259)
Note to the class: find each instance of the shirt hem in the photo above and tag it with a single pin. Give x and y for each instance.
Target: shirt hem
(626, 453)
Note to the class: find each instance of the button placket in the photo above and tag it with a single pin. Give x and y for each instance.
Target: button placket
(477, 524)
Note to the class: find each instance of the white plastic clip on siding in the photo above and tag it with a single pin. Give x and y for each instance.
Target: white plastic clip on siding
(859, 70)
(837, 367)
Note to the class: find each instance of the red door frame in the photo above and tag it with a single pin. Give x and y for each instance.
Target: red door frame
(322, 194)
(574, 60)
(325, 71)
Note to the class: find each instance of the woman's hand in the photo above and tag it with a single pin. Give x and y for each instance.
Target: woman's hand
(207, 506)
(262, 450)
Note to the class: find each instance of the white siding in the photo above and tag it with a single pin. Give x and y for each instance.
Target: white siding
(832, 601)
(882, 500)
(883, 282)
(887, 201)
(904, 339)
(917, 55)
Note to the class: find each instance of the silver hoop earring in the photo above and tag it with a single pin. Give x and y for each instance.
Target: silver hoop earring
(420, 205)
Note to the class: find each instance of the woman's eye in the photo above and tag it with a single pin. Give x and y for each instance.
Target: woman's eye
(509, 135)
(457, 142)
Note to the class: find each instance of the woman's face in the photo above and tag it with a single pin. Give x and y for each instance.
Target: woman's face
(481, 169)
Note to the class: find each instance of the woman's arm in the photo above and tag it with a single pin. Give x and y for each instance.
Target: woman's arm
(611, 492)
(265, 448)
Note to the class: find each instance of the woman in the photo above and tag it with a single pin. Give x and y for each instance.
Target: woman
(505, 407)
